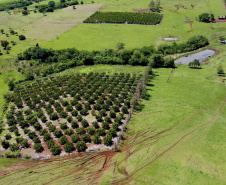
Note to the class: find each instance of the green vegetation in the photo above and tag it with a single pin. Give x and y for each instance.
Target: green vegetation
(125, 17)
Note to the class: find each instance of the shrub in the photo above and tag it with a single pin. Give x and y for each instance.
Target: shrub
(112, 132)
(22, 37)
(115, 126)
(81, 146)
(125, 109)
(95, 124)
(75, 138)
(12, 154)
(84, 112)
(85, 123)
(99, 117)
(31, 134)
(101, 132)
(50, 143)
(63, 140)
(14, 147)
(57, 133)
(38, 147)
(25, 144)
(91, 131)
(63, 114)
(52, 128)
(8, 136)
(107, 119)
(54, 116)
(105, 125)
(79, 118)
(69, 131)
(108, 140)
(63, 125)
(112, 114)
(46, 137)
(55, 150)
(80, 131)
(36, 140)
(43, 131)
(5, 144)
(37, 126)
(69, 147)
(74, 113)
(115, 108)
(96, 139)
(74, 124)
(86, 138)
(78, 106)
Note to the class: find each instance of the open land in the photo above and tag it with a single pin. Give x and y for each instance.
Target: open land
(177, 136)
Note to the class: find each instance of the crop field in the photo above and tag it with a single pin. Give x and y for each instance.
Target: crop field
(176, 134)
(81, 104)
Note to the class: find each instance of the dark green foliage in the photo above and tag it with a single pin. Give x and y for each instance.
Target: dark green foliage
(101, 132)
(46, 137)
(115, 108)
(112, 132)
(54, 116)
(80, 131)
(115, 126)
(14, 4)
(95, 124)
(78, 106)
(96, 139)
(55, 150)
(50, 143)
(52, 128)
(74, 113)
(8, 136)
(81, 146)
(112, 114)
(105, 125)
(74, 124)
(36, 140)
(124, 17)
(63, 140)
(91, 131)
(84, 112)
(63, 125)
(69, 131)
(38, 147)
(86, 138)
(57, 133)
(5, 144)
(31, 134)
(85, 123)
(75, 138)
(63, 114)
(79, 118)
(14, 147)
(69, 147)
(22, 37)
(108, 140)
(206, 17)
(37, 126)
(125, 109)
(25, 144)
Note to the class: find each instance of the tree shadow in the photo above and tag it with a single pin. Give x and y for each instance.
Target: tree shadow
(195, 67)
(139, 107)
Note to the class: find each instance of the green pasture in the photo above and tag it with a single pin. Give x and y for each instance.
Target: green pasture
(101, 36)
(190, 111)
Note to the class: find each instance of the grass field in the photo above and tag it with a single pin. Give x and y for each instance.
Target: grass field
(100, 36)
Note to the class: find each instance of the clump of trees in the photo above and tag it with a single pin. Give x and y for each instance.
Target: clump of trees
(220, 70)
(15, 4)
(206, 17)
(154, 6)
(194, 64)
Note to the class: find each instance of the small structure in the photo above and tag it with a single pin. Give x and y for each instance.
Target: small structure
(31, 10)
(223, 17)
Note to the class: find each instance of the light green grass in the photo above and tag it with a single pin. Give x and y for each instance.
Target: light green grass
(101, 36)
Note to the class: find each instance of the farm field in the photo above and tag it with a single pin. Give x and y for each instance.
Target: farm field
(175, 143)
(177, 132)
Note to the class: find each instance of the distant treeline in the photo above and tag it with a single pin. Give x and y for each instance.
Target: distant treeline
(15, 4)
(125, 17)
(59, 60)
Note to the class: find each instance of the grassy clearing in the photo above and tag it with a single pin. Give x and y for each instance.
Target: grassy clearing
(101, 36)
(108, 69)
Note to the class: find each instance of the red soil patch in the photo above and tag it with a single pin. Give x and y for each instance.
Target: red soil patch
(125, 172)
(219, 20)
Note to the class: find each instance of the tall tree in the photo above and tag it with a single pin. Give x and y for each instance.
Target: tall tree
(152, 5)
